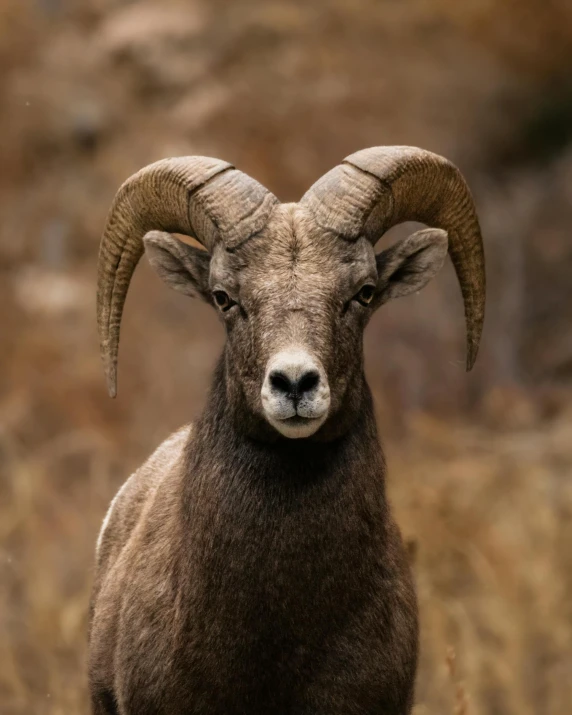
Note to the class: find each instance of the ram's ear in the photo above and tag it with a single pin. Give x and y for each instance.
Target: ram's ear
(183, 267)
(410, 264)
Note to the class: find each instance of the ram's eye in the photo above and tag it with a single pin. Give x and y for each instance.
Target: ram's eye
(365, 296)
(223, 300)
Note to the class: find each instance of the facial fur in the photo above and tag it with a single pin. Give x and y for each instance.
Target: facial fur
(293, 315)
(295, 299)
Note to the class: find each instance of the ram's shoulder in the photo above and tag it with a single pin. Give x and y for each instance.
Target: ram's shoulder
(128, 504)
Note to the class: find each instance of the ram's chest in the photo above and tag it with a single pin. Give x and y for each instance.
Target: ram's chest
(289, 569)
(254, 601)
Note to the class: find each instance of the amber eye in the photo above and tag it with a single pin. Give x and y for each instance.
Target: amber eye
(365, 296)
(223, 300)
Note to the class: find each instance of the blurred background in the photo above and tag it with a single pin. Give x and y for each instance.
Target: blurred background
(480, 464)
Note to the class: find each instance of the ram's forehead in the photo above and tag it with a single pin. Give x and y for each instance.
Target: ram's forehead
(293, 246)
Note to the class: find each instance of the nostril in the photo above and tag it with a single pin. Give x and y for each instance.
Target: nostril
(294, 389)
(280, 382)
(307, 382)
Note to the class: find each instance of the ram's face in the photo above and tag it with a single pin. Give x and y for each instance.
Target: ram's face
(295, 300)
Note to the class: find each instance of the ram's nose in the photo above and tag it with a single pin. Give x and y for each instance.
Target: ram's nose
(295, 393)
(294, 381)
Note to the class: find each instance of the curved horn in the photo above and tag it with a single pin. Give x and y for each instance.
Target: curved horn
(195, 195)
(375, 189)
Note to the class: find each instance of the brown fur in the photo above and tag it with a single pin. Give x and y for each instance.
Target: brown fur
(239, 571)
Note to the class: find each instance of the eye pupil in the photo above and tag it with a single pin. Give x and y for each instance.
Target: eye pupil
(365, 295)
(222, 299)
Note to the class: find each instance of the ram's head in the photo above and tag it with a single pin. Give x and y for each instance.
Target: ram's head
(295, 284)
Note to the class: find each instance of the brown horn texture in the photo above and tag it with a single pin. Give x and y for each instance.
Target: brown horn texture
(197, 196)
(375, 189)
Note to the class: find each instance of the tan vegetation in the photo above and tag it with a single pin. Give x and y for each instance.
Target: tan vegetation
(480, 465)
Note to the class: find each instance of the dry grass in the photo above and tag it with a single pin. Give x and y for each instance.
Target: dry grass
(491, 512)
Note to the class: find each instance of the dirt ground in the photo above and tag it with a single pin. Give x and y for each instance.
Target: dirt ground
(480, 465)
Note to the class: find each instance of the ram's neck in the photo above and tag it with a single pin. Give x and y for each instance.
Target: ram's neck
(282, 539)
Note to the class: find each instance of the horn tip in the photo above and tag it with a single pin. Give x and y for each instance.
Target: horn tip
(111, 379)
(471, 357)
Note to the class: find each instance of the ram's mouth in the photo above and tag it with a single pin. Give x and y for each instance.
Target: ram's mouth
(297, 427)
(299, 421)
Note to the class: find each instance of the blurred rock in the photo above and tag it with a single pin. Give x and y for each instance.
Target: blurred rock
(161, 46)
(50, 293)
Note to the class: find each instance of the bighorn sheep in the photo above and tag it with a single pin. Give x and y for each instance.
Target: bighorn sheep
(252, 565)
